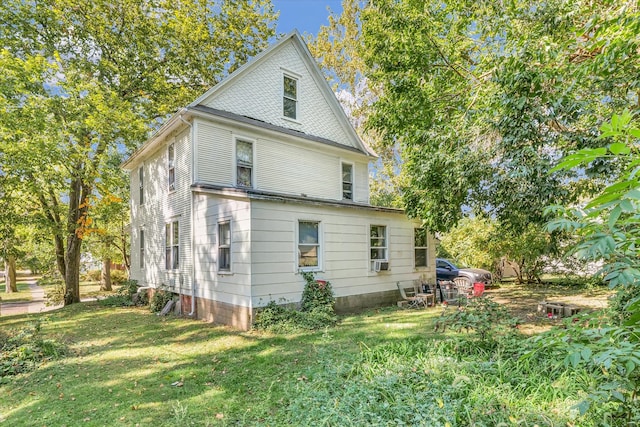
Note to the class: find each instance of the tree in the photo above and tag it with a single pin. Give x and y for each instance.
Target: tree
(84, 80)
(338, 49)
(484, 98)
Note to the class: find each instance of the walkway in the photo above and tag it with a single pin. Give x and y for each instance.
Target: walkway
(36, 305)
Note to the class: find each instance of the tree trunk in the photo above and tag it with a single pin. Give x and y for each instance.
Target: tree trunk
(10, 275)
(72, 277)
(105, 278)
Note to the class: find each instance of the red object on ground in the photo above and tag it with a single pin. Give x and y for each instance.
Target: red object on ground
(478, 289)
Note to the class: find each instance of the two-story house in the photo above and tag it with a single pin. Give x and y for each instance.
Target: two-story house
(259, 179)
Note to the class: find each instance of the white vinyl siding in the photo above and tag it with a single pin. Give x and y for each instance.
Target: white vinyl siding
(214, 154)
(159, 208)
(259, 94)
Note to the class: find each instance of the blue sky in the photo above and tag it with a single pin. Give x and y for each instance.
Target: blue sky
(305, 15)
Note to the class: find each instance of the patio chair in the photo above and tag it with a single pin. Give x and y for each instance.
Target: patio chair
(464, 287)
(413, 301)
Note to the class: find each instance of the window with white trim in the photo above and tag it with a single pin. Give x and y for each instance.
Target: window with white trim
(141, 185)
(141, 249)
(171, 166)
(224, 246)
(309, 251)
(378, 243)
(420, 247)
(172, 245)
(290, 97)
(347, 181)
(244, 163)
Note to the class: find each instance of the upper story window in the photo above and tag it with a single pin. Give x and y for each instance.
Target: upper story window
(141, 185)
(290, 97)
(141, 249)
(347, 181)
(171, 166)
(378, 242)
(172, 245)
(309, 245)
(224, 246)
(420, 247)
(244, 163)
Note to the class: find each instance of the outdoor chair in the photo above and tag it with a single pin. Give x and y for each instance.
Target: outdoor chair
(413, 300)
(464, 287)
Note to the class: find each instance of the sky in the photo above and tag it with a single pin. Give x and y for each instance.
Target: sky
(307, 16)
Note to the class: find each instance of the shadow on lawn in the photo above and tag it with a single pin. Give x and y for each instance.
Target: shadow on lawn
(134, 367)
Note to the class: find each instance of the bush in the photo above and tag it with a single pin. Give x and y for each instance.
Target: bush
(317, 310)
(22, 351)
(118, 277)
(93, 275)
(124, 296)
(160, 298)
(54, 285)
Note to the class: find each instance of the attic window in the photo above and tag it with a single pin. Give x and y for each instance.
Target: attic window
(290, 97)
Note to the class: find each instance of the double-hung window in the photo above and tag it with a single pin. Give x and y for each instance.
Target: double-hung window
(309, 245)
(420, 247)
(172, 245)
(378, 243)
(347, 181)
(141, 185)
(290, 97)
(224, 246)
(171, 166)
(141, 249)
(244, 163)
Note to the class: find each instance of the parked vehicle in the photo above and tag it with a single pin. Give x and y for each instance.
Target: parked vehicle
(447, 270)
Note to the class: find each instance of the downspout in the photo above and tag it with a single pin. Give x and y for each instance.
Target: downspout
(193, 268)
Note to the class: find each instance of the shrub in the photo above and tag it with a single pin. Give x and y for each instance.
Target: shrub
(317, 310)
(124, 296)
(93, 275)
(159, 299)
(54, 285)
(118, 277)
(482, 315)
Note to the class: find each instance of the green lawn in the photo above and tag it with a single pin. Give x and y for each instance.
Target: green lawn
(384, 367)
(23, 293)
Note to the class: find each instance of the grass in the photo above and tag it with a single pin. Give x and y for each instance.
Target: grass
(382, 367)
(23, 294)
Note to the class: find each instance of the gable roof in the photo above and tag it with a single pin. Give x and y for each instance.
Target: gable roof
(294, 37)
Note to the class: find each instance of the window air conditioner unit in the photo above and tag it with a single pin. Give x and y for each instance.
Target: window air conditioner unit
(380, 266)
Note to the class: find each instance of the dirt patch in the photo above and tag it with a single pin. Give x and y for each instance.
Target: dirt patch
(522, 301)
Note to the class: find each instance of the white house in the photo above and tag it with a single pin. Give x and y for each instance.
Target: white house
(259, 179)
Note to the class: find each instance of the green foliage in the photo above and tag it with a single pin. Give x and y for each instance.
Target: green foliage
(317, 294)
(118, 277)
(317, 310)
(159, 299)
(54, 285)
(73, 103)
(608, 230)
(24, 350)
(127, 295)
(482, 315)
